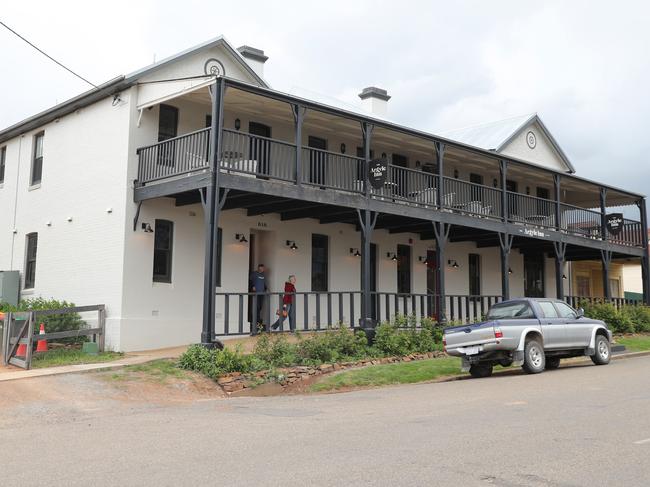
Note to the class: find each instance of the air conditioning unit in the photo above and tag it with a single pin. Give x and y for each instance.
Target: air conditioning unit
(9, 287)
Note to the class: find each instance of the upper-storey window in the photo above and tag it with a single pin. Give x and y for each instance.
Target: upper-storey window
(3, 155)
(37, 159)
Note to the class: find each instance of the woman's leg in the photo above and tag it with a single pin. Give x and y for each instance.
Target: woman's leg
(292, 317)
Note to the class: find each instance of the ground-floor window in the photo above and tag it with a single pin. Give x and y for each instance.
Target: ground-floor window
(403, 269)
(162, 251)
(30, 260)
(474, 274)
(319, 262)
(615, 288)
(583, 286)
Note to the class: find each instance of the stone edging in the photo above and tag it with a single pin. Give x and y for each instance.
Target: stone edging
(287, 376)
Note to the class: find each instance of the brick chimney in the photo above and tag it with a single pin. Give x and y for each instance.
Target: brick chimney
(375, 100)
(255, 58)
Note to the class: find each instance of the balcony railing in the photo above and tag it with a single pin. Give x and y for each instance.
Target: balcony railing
(265, 158)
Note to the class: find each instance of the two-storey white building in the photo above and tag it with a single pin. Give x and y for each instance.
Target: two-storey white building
(160, 192)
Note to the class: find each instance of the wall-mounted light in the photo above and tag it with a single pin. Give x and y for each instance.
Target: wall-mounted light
(241, 237)
(527, 189)
(343, 148)
(509, 270)
(455, 173)
(292, 245)
(418, 163)
(495, 183)
(355, 252)
(383, 155)
(146, 228)
(237, 124)
(392, 256)
(423, 259)
(564, 277)
(453, 263)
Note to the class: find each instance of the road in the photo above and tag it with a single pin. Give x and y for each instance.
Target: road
(577, 426)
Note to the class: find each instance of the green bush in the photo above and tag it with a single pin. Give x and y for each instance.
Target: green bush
(53, 323)
(337, 344)
(627, 319)
(215, 363)
(275, 350)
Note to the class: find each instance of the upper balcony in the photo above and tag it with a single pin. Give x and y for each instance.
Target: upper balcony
(474, 183)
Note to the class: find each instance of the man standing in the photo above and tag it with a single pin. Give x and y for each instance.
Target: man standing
(257, 282)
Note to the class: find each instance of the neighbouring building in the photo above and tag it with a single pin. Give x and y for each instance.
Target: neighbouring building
(158, 194)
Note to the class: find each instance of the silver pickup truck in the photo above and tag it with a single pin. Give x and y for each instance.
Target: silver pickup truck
(532, 332)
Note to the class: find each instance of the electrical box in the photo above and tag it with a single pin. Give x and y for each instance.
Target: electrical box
(9, 287)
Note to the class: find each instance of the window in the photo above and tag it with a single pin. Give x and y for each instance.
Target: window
(319, 262)
(362, 155)
(3, 155)
(615, 288)
(544, 207)
(548, 309)
(474, 275)
(583, 284)
(510, 311)
(162, 251)
(565, 311)
(37, 160)
(30, 260)
(403, 269)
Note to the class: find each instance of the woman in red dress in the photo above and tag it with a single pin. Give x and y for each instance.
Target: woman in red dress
(288, 305)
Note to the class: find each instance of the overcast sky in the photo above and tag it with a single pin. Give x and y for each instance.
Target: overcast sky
(583, 66)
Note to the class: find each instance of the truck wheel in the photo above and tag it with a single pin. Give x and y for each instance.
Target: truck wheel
(534, 359)
(602, 355)
(552, 363)
(480, 371)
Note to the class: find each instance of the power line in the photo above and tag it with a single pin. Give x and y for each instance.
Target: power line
(46, 54)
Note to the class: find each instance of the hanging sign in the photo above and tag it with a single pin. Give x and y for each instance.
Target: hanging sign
(377, 173)
(615, 223)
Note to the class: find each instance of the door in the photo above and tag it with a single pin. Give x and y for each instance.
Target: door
(476, 192)
(260, 147)
(553, 326)
(400, 183)
(167, 129)
(432, 285)
(544, 206)
(513, 206)
(534, 275)
(317, 160)
(578, 332)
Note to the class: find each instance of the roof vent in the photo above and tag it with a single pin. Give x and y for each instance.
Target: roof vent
(375, 100)
(255, 58)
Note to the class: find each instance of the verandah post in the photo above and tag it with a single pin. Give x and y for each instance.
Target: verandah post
(440, 151)
(606, 256)
(505, 242)
(560, 259)
(298, 117)
(503, 169)
(211, 211)
(441, 233)
(367, 221)
(645, 260)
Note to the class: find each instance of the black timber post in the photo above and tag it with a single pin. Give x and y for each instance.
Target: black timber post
(367, 221)
(440, 152)
(505, 241)
(560, 259)
(558, 202)
(211, 209)
(441, 232)
(645, 260)
(366, 131)
(298, 117)
(503, 169)
(603, 213)
(606, 256)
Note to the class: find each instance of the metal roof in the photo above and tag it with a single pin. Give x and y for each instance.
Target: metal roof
(494, 136)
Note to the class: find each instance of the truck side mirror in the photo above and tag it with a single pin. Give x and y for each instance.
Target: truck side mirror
(581, 312)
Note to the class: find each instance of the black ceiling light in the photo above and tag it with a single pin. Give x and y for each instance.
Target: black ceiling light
(455, 173)
(343, 148)
(237, 124)
(392, 256)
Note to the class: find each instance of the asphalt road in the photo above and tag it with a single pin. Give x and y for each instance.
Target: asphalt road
(581, 425)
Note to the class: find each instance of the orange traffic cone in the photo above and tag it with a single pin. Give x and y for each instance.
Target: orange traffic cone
(22, 350)
(41, 346)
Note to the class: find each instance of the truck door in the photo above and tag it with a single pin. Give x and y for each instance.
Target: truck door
(578, 332)
(553, 327)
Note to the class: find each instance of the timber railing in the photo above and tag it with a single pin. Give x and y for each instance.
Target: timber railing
(249, 155)
(577, 301)
(20, 328)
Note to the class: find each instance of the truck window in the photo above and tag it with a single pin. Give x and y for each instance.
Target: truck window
(548, 309)
(565, 311)
(510, 311)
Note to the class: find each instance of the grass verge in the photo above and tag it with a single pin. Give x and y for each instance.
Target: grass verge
(56, 358)
(380, 375)
(157, 370)
(636, 343)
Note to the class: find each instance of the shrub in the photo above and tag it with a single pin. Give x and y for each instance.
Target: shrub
(617, 321)
(215, 363)
(639, 316)
(275, 350)
(391, 340)
(53, 323)
(333, 345)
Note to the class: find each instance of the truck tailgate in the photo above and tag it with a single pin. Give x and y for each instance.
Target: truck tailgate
(469, 335)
